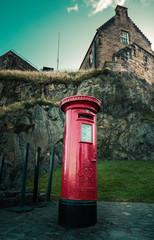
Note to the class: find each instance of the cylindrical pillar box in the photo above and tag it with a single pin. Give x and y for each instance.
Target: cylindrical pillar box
(78, 202)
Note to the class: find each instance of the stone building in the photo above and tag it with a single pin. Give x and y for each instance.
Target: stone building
(12, 61)
(120, 44)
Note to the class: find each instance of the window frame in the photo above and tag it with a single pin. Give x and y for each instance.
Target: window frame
(91, 60)
(124, 37)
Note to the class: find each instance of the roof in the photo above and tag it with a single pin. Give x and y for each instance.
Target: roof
(139, 31)
(111, 20)
(88, 49)
(14, 61)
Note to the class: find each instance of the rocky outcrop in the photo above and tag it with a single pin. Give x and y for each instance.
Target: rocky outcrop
(125, 121)
(39, 126)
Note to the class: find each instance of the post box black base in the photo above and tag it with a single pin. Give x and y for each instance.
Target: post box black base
(75, 214)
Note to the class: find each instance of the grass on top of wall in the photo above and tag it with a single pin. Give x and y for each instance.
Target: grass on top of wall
(38, 78)
(117, 181)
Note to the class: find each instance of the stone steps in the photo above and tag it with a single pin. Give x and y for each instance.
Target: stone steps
(114, 66)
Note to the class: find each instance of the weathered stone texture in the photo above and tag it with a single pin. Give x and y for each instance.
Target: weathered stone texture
(133, 59)
(125, 122)
(107, 42)
(11, 61)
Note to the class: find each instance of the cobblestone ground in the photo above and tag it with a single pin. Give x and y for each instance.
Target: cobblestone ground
(116, 221)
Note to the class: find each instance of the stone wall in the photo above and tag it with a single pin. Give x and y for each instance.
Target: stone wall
(114, 66)
(135, 59)
(107, 40)
(11, 61)
(125, 121)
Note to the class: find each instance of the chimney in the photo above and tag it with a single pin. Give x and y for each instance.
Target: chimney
(121, 11)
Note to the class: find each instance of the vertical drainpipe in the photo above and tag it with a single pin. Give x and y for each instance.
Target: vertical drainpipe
(95, 54)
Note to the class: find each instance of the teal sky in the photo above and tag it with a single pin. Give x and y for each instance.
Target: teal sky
(31, 27)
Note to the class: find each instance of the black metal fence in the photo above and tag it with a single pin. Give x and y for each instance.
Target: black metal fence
(22, 207)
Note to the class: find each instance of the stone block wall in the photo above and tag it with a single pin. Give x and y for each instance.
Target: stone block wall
(114, 66)
(11, 61)
(107, 40)
(111, 39)
(135, 59)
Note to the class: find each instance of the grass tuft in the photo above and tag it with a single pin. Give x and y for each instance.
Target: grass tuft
(5, 110)
(148, 116)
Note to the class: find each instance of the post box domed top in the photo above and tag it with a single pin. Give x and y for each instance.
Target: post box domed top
(78, 99)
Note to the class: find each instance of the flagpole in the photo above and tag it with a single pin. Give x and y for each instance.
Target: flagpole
(58, 50)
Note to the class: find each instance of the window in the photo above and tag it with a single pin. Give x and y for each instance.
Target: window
(124, 37)
(90, 58)
(134, 51)
(145, 61)
(99, 40)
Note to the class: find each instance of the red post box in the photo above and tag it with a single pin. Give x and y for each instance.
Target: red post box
(78, 202)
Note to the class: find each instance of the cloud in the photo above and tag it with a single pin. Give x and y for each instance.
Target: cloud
(120, 2)
(75, 8)
(145, 2)
(100, 5)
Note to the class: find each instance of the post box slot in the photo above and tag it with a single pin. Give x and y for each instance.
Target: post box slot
(84, 115)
